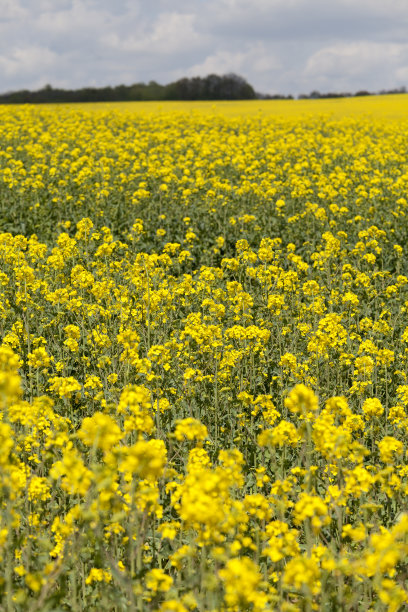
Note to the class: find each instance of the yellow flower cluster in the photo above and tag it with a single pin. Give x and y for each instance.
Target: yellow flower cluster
(203, 359)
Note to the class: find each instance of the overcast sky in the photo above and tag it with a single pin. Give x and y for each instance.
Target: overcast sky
(279, 46)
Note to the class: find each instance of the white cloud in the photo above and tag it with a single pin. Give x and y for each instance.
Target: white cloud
(285, 46)
(402, 75)
(359, 63)
(11, 9)
(170, 33)
(254, 59)
(221, 62)
(25, 60)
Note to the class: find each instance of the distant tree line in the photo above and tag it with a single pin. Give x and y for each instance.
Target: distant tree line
(314, 95)
(211, 87)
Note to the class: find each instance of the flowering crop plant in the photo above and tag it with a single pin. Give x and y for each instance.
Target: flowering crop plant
(204, 357)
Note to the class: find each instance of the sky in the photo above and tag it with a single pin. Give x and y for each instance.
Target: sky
(278, 46)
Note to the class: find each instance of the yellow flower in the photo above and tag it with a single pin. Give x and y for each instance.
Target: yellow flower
(6, 443)
(146, 459)
(172, 605)
(357, 534)
(190, 429)
(302, 572)
(389, 447)
(64, 387)
(372, 407)
(39, 358)
(98, 575)
(302, 400)
(242, 579)
(84, 227)
(39, 489)
(284, 433)
(100, 431)
(169, 530)
(34, 581)
(392, 595)
(158, 580)
(75, 477)
(311, 507)
(135, 403)
(282, 541)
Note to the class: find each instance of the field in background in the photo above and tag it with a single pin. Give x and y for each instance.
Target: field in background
(203, 359)
(386, 106)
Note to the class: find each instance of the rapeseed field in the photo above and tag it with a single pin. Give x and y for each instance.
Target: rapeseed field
(204, 357)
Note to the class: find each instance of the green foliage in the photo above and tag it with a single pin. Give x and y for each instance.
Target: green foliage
(211, 87)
